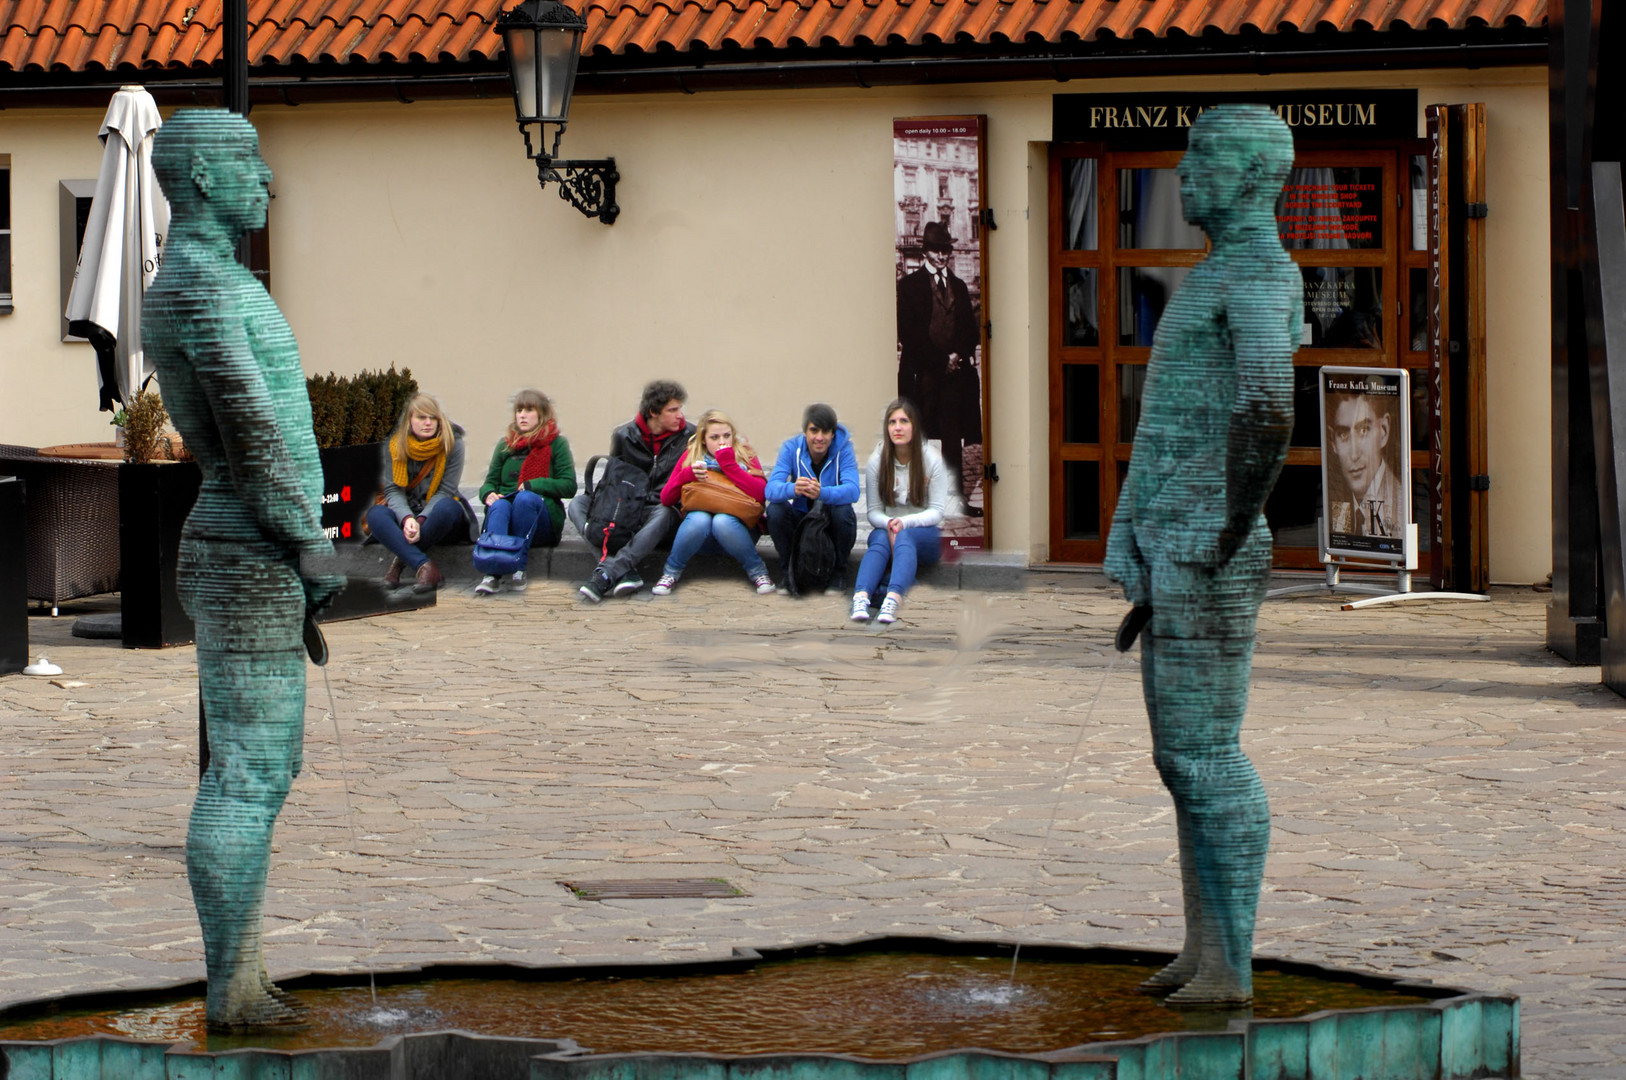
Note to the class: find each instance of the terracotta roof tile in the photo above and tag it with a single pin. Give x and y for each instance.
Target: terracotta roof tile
(82, 35)
(677, 31)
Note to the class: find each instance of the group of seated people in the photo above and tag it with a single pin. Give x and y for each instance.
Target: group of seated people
(532, 475)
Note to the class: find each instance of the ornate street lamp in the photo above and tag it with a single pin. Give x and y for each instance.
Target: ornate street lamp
(543, 39)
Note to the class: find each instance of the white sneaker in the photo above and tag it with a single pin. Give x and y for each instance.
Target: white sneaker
(663, 587)
(764, 584)
(487, 586)
(860, 607)
(889, 609)
(518, 582)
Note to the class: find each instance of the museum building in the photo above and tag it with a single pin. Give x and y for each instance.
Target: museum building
(770, 201)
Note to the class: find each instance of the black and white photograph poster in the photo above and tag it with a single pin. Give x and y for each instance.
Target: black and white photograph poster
(938, 195)
(1365, 432)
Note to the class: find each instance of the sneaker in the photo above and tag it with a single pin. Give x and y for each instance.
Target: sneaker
(595, 587)
(764, 584)
(663, 587)
(889, 609)
(860, 607)
(782, 589)
(517, 582)
(630, 583)
(487, 586)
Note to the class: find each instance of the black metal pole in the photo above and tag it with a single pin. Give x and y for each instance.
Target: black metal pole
(234, 75)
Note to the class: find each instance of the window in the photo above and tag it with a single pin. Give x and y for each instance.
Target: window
(73, 211)
(5, 234)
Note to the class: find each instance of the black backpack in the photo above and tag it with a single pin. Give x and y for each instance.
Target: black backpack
(615, 504)
(812, 564)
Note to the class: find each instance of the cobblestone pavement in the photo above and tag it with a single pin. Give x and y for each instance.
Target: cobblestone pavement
(1446, 794)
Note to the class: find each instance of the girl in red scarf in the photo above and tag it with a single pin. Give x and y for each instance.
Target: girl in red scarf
(531, 473)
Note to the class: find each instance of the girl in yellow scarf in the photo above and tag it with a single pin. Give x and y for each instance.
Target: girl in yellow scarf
(419, 505)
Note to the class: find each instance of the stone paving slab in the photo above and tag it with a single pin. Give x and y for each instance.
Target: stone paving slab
(1447, 795)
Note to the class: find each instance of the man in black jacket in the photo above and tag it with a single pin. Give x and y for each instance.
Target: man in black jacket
(654, 441)
(938, 335)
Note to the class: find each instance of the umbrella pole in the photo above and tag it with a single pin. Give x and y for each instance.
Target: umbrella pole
(234, 76)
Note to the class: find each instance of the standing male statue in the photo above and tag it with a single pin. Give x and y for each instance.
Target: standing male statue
(253, 543)
(1189, 538)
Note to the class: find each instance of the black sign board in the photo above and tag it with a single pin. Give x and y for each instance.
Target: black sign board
(1160, 121)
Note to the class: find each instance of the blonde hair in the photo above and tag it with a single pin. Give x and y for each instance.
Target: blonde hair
(421, 405)
(531, 399)
(697, 442)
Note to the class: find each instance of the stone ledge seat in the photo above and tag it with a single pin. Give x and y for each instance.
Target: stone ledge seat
(573, 560)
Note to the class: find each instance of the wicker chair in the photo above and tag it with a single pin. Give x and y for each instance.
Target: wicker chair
(72, 530)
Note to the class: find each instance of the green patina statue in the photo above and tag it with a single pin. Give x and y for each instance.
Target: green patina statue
(1189, 538)
(254, 560)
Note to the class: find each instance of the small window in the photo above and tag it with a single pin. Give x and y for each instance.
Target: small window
(5, 234)
(73, 211)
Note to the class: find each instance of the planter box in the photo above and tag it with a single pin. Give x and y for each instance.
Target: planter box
(349, 483)
(13, 576)
(154, 500)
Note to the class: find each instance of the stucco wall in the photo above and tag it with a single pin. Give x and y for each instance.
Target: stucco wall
(752, 261)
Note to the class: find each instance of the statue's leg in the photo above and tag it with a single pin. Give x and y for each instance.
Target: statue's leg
(1179, 971)
(1200, 645)
(1202, 695)
(255, 703)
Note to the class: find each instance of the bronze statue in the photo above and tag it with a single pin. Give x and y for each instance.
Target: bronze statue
(1189, 538)
(254, 561)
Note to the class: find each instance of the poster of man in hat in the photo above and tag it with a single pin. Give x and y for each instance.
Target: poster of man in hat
(938, 186)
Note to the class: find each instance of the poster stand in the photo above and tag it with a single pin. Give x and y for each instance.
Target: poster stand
(1373, 594)
(1365, 436)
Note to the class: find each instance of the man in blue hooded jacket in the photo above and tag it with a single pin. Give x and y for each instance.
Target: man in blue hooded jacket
(817, 464)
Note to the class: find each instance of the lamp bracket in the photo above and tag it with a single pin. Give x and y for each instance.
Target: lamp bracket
(589, 186)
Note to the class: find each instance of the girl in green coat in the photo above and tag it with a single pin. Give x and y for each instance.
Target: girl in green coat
(530, 476)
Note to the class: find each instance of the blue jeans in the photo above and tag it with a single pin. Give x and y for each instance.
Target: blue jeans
(522, 514)
(701, 531)
(915, 548)
(445, 517)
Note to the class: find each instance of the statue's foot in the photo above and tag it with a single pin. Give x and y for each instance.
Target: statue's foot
(1211, 990)
(1173, 976)
(282, 995)
(258, 1012)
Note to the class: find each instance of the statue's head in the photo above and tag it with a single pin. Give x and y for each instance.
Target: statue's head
(1237, 158)
(208, 162)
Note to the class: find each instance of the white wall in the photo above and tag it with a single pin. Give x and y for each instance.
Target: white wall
(752, 261)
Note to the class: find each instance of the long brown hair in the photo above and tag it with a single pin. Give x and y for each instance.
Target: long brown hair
(421, 405)
(530, 399)
(743, 454)
(917, 456)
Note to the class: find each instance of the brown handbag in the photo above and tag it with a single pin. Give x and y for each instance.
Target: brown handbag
(717, 494)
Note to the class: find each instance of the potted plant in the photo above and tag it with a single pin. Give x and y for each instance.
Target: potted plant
(158, 483)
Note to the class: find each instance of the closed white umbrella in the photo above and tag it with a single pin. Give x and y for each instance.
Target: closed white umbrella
(124, 238)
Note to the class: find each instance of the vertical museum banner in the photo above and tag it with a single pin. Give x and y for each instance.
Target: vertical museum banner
(939, 192)
(1365, 479)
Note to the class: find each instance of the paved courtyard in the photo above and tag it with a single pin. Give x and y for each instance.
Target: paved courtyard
(1447, 796)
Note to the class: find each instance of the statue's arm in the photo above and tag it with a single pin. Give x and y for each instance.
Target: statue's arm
(1262, 418)
(1125, 563)
(264, 474)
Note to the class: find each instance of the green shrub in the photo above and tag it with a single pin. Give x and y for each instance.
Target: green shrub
(362, 409)
(144, 420)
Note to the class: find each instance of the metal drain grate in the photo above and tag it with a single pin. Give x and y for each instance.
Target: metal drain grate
(652, 889)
